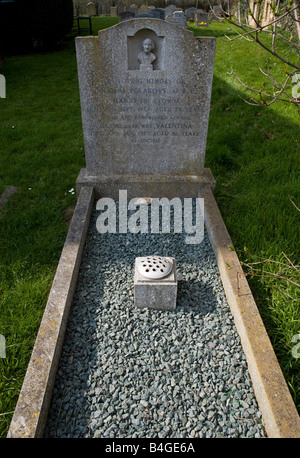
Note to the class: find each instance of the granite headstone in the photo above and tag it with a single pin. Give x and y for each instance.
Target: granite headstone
(145, 88)
(202, 19)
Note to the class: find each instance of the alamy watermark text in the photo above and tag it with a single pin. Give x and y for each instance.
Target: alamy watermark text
(134, 216)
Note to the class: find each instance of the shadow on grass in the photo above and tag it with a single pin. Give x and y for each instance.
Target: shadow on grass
(253, 153)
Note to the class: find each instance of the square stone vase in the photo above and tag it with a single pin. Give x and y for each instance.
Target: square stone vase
(155, 293)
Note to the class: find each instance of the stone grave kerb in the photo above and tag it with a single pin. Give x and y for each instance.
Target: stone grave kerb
(145, 126)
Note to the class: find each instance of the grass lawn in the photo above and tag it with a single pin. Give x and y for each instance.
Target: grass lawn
(253, 153)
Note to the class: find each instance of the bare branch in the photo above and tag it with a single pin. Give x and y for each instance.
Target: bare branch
(240, 36)
(288, 295)
(267, 260)
(253, 33)
(274, 53)
(279, 18)
(273, 275)
(290, 42)
(294, 204)
(276, 83)
(261, 93)
(289, 260)
(261, 27)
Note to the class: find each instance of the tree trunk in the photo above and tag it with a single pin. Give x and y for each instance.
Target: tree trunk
(297, 17)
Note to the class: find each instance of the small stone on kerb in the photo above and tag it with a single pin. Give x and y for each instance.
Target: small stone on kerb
(143, 201)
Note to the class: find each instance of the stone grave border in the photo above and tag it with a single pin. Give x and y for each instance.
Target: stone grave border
(279, 413)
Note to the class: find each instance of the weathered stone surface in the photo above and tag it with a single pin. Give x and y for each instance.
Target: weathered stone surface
(31, 411)
(280, 416)
(141, 185)
(155, 293)
(177, 20)
(91, 9)
(151, 122)
(202, 19)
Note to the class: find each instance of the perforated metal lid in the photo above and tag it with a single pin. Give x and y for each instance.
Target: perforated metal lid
(154, 267)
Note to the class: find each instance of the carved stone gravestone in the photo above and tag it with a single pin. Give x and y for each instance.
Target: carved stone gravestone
(169, 10)
(178, 21)
(91, 9)
(143, 9)
(202, 19)
(179, 13)
(144, 15)
(133, 8)
(145, 88)
(126, 15)
(189, 13)
(120, 7)
(113, 10)
(216, 14)
(160, 11)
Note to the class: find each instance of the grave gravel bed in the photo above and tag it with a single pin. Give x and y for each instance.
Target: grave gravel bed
(142, 373)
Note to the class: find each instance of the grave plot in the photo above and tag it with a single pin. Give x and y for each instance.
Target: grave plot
(131, 372)
(201, 367)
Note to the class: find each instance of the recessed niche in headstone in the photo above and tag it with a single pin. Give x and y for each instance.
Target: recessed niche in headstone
(143, 57)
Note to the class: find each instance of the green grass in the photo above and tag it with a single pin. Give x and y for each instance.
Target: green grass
(255, 157)
(252, 152)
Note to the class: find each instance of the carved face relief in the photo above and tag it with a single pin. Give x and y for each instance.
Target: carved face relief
(145, 50)
(148, 45)
(146, 57)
